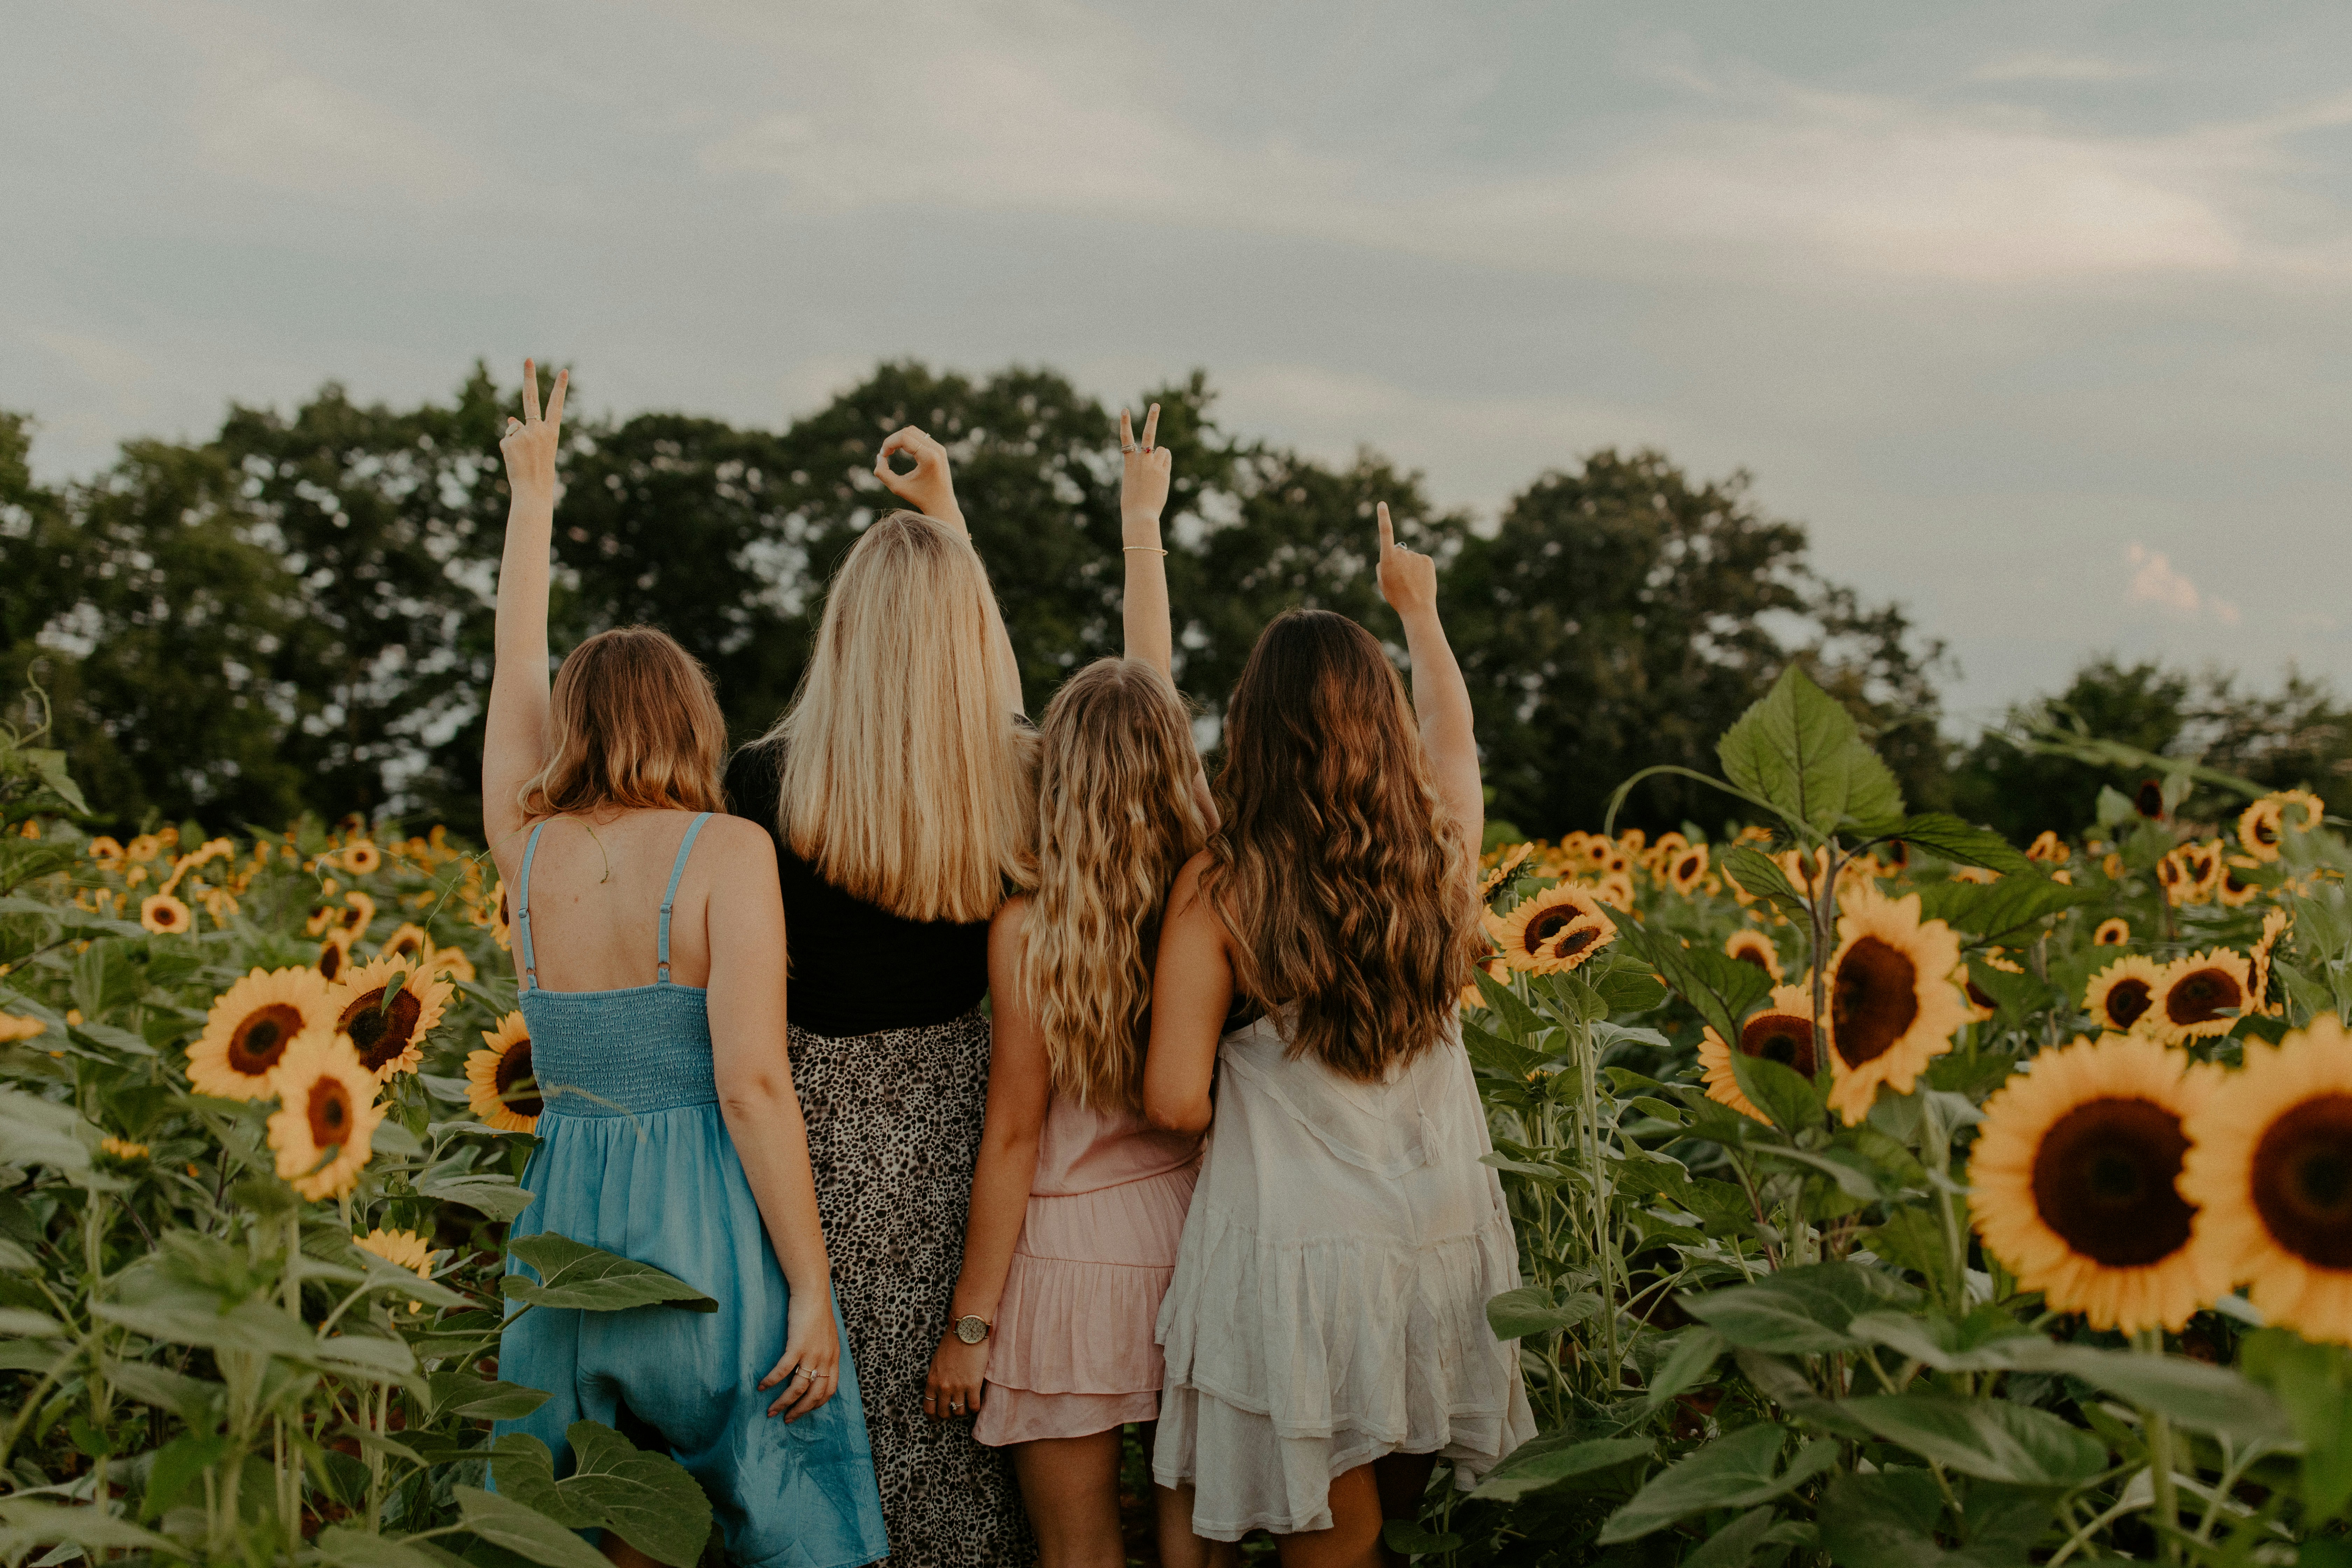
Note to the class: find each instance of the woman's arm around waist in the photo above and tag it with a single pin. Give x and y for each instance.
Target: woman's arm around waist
(753, 1067)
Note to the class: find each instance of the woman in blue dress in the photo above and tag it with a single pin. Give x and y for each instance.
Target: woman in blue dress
(653, 983)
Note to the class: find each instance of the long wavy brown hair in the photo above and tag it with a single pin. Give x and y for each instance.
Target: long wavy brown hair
(632, 723)
(1337, 871)
(1116, 822)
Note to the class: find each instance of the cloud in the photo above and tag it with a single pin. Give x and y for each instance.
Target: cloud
(2154, 581)
(2037, 67)
(263, 122)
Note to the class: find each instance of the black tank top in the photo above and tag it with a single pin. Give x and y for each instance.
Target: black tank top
(856, 969)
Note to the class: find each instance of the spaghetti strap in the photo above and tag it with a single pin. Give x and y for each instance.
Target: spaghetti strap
(685, 848)
(522, 908)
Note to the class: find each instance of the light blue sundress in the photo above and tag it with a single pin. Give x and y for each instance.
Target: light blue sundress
(633, 1158)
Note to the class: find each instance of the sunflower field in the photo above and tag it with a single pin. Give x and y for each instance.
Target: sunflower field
(2014, 1228)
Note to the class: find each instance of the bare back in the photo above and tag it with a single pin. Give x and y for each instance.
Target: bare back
(596, 890)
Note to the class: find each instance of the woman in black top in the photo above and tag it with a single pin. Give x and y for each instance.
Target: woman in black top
(897, 791)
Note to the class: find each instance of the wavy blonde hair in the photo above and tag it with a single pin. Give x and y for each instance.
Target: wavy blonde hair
(905, 777)
(633, 723)
(1115, 821)
(1337, 870)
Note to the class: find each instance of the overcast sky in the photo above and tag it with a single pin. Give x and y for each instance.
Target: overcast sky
(2034, 313)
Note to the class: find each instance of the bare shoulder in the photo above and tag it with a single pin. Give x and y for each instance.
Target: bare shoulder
(1012, 918)
(739, 853)
(1186, 891)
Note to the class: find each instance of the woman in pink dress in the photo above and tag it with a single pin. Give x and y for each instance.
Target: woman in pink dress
(1077, 1206)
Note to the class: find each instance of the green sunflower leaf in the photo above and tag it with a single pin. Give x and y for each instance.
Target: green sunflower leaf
(572, 1275)
(1941, 834)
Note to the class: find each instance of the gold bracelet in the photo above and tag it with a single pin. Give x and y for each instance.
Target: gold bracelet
(1153, 548)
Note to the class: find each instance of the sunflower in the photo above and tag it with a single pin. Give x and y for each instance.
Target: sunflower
(405, 1248)
(1893, 1004)
(410, 941)
(2120, 995)
(2172, 876)
(2314, 808)
(1782, 1032)
(1895, 855)
(361, 857)
(1553, 931)
(2112, 868)
(1686, 868)
(122, 1149)
(325, 1128)
(1754, 947)
(2113, 932)
(358, 914)
(2201, 994)
(106, 851)
(1616, 890)
(164, 914)
(144, 847)
(2051, 847)
(2276, 924)
(14, 1028)
(1493, 880)
(2076, 1179)
(1634, 840)
(2270, 1172)
(2148, 799)
(2233, 889)
(2259, 828)
(2202, 865)
(498, 1082)
(453, 963)
(1471, 995)
(390, 1040)
(251, 1026)
(501, 917)
(334, 953)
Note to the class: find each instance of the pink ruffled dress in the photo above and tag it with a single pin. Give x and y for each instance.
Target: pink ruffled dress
(1073, 1352)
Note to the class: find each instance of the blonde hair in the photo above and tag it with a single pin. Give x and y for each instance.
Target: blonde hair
(1115, 821)
(1338, 870)
(632, 723)
(905, 777)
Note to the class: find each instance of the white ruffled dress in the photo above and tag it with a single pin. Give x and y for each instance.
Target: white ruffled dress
(1329, 1303)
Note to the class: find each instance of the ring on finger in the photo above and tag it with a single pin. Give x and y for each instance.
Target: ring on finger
(1132, 446)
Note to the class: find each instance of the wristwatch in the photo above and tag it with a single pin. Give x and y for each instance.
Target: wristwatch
(972, 1328)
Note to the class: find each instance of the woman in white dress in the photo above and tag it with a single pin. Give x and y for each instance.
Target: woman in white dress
(1325, 1330)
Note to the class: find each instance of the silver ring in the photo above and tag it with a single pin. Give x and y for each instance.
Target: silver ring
(1128, 446)
(803, 1371)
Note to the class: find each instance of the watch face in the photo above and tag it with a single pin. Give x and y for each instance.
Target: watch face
(971, 1331)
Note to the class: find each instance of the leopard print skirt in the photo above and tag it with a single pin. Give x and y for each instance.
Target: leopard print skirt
(894, 1131)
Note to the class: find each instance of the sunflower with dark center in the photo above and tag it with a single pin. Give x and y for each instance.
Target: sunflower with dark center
(499, 1083)
(2076, 1184)
(164, 914)
(2049, 847)
(359, 913)
(1782, 1032)
(1749, 946)
(2270, 1172)
(2260, 828)
(409, 941)
(362, 858)
(2199, 996)
(249, 1028)
(334, 954)
(2201, 865)
(1893, 1006)
(501, 917)
(2113, 932)
(1553, 931)
(2148, 799)
(2121, 995)
(2236, 889)
(390, 1039)
(324, 1128)
(1687, 868)
(1500, 874)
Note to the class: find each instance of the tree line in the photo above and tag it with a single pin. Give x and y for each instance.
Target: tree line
(295, 615)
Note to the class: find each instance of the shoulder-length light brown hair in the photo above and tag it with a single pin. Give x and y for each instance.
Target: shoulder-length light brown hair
(632, 724)
(1115, 821)
(1337, 871)
(905, 777)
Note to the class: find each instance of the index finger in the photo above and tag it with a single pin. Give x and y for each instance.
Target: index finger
(530, 393)
(1388, 531)
(555, 398)
(1150, 425)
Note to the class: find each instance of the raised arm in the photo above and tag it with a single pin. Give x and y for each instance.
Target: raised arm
(1018, 1085)
(1142, 496)
(931, 490)
(514, 745)
(1191, 991)
(754, 1072)
(1441, 698)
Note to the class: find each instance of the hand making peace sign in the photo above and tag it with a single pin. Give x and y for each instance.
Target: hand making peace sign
(530, 441)
(1143, 470)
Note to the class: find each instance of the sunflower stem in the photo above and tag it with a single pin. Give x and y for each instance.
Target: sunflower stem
(2151, 1341)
